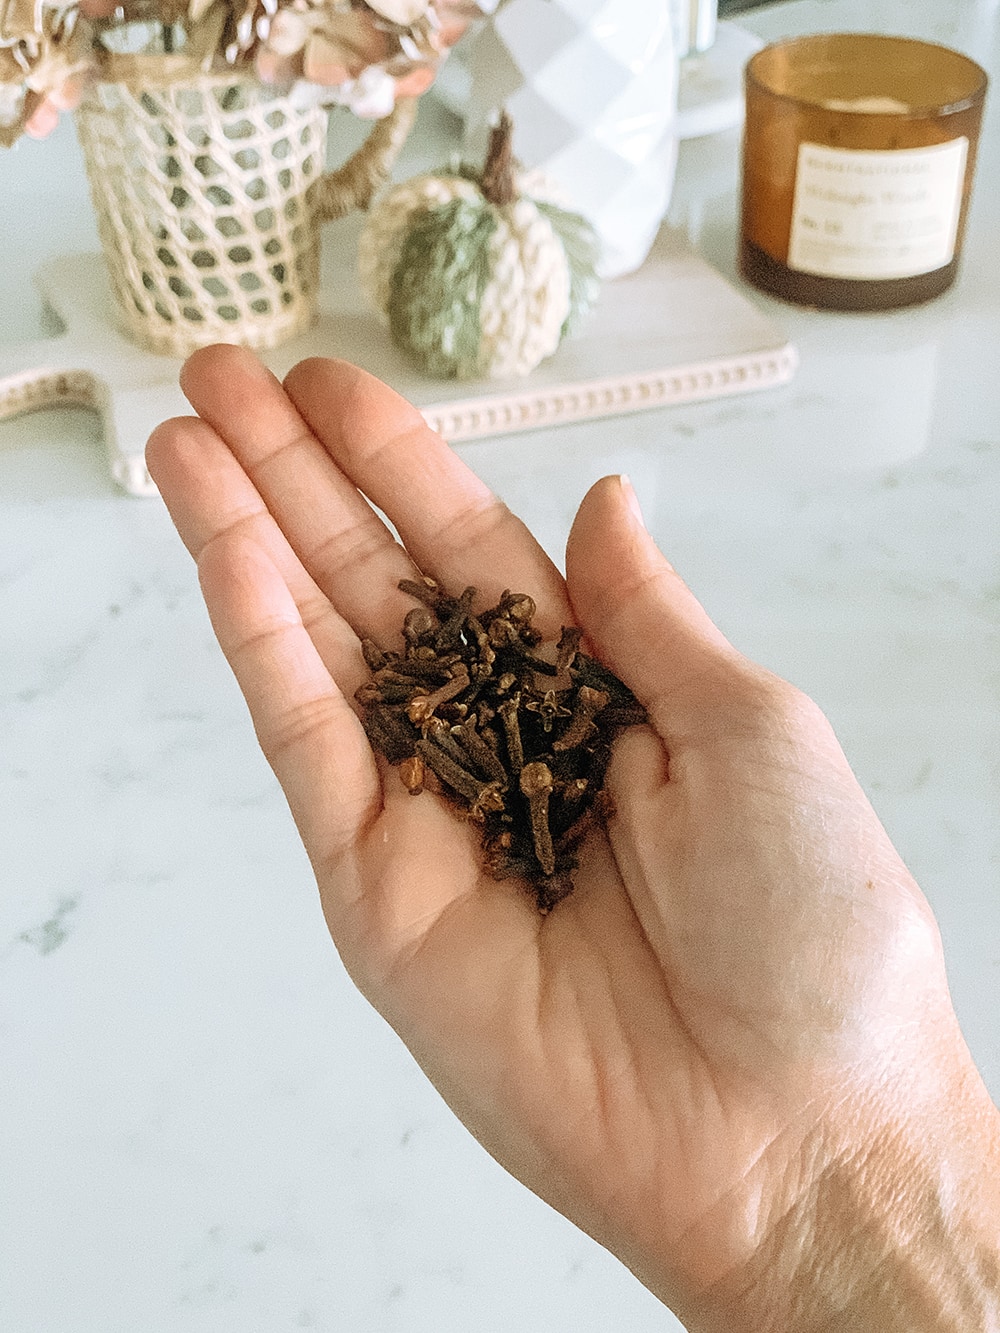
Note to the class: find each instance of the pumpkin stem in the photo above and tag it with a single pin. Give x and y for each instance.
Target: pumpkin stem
(497, 178)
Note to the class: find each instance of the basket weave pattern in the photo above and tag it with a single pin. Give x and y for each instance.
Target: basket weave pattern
(202, 191)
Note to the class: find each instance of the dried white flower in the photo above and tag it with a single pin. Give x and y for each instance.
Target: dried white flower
(403, 12)
(289, 33)
(371, 96)
(197, 9)
(11, 103)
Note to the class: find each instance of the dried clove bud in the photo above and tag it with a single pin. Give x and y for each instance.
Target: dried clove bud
(536, 785)
(419, 626)
(567, 647)
(412, 772)
(388, 732)
(589, 703)
(480, 754)
(426, 591)
(548, 708)
(422, 706)
(512, 727)
(373, 655)
(449, 632)
(482, 796)
(518, 606)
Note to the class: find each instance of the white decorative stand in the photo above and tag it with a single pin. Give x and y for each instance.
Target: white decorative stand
(673, 332)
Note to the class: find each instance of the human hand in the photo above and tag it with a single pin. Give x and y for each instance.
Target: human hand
(730, 1056)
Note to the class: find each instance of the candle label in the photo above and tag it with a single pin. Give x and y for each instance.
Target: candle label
(863, 214)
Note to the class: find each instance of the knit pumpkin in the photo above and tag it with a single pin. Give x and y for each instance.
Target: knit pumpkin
(479, 274)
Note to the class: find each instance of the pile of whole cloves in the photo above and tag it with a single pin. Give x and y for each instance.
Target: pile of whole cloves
(518, 742)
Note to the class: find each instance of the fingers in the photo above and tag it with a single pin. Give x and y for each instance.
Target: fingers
(295, 464)
(642, 620)
(305, 726)
(210, 497)
(449, 521)
(342, 543)
(338, 431)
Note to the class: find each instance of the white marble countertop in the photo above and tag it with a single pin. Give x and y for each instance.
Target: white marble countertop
(202, 1126)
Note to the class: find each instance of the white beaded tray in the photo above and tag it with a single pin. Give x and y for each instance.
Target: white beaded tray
(673, 332)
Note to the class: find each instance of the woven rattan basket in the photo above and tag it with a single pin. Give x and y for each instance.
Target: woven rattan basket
(209, 191)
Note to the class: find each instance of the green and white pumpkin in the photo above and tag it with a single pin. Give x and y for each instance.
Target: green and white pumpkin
(480, 275)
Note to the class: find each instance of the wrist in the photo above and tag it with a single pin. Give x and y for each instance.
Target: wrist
(896, 1231)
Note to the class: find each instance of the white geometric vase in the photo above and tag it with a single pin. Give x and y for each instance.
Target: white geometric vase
(591, 86)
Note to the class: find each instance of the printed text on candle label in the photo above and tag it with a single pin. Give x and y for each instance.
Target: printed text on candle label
(866, 214)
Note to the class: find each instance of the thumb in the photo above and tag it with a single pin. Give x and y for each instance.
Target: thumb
(642, 620)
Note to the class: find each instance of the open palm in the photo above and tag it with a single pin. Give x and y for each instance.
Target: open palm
(665, 1056)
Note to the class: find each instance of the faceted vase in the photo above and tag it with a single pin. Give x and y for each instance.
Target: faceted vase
(591, 86)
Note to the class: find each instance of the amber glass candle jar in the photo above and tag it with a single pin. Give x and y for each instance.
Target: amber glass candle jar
(858, 158)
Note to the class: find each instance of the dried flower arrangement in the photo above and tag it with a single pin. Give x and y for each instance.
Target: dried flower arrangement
(364, 53)
(516, 737)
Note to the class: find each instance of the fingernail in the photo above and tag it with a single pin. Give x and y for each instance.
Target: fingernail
(632, 500)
